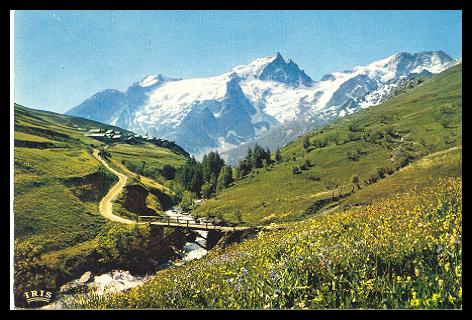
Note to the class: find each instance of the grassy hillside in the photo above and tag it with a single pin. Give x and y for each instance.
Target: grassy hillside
(417, 122)
(403, 250)
(58, 184)
(145, 194)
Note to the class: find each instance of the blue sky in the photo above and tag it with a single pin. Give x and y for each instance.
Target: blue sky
(63, 57)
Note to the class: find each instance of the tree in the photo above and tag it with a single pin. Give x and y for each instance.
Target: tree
(249, 159)
(268, 156)
(186, 172)
(188, 200)
(190, 176)
(211, 165)
(224, 179)
(258, 155)
(278, 156)
(197, 181)
(207, 190)
(306, 142)
(244, 168)
(168, 172)
(236, 173)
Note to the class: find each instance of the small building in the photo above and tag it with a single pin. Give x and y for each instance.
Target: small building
(95, 130)
(117, 132)
(116, 136)
(109, 131)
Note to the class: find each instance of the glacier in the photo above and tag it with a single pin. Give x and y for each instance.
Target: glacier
(250, 101)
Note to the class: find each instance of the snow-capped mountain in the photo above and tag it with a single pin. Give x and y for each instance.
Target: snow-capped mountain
(251, 100)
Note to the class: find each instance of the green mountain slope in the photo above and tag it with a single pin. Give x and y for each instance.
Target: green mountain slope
(399, 247)
(419, 121)
(58, 184)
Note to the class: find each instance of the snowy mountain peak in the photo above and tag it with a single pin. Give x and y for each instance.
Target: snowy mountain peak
(274, 68)
(432, 61)
(148, 81)
(252, 100)
(153, 80)
(253, 69)
(286, 72)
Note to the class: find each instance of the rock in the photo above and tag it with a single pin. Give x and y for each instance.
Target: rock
(69, 286)
(86, 277)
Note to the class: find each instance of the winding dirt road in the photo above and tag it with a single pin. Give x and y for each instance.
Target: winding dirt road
(106, 204)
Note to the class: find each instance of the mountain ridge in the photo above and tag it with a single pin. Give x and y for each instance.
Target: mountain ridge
(262, 95)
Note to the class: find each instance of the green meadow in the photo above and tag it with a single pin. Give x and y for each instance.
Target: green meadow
(417, 122)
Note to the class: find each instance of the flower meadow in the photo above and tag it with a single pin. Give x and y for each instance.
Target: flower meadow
(401, 252)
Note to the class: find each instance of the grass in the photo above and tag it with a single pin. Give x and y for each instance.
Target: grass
(143, 195)
(57, 190)
(421, 121)
(403, 251)
(422, 173)
(49, 209)
(154, 157)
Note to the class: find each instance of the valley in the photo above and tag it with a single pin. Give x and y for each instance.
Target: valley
(386, 137)
(61, 188)
(349, 215)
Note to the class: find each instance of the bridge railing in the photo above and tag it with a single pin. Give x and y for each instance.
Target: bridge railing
(178, 220)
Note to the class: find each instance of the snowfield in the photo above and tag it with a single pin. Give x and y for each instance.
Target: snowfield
(224, 111)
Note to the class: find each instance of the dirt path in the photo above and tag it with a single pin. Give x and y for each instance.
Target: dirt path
(106, 204)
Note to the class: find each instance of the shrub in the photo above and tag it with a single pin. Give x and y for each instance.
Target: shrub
(306, 142)
(188, 200)
(168, 172)
(296, 170)
(381, 172)
(306, 165)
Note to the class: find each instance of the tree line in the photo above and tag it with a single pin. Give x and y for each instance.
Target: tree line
(207, 178)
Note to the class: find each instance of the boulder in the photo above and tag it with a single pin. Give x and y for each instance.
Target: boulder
(86, 277)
